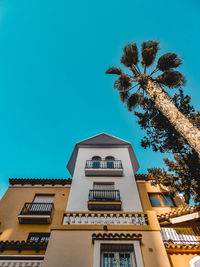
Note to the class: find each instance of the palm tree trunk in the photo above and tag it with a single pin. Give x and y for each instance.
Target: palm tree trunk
(170, 111)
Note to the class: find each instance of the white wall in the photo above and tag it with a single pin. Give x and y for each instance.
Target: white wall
(81, 184)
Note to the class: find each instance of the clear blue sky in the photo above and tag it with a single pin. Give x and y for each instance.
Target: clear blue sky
(53, 90)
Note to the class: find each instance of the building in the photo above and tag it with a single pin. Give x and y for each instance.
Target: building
(107, 215)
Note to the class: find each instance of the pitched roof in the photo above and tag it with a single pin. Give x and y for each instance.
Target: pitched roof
(39, 181)
(142, 177)
(178, 212)
(102, 140)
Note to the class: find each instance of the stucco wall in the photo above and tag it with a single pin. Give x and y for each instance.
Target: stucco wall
(75, 248)
(145, 187)
(181, 260)
(81, 184)
(11, 205)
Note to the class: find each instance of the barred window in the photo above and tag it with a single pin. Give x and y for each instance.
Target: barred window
(113, 255)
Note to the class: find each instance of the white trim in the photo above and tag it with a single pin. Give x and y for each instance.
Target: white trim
(97, 251)
(194, 261)
(101, 134)
(184, 218)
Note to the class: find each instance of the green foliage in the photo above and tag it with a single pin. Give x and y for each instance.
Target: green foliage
(168, 61)
(183, 168)
(123, 83)
(171, 79)
(130, 55)
(113, 70)
(134, 100)
(149, 51)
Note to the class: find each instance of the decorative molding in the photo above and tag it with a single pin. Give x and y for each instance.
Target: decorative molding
(22, 245)
(39, 181)
(144, 177)
(116, 237)
(182, 249)
(178, 212)
(86, 218)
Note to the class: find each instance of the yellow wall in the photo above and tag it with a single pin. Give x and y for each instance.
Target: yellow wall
(13, 202)
(145, 188)
(75, 248)
(181, 260)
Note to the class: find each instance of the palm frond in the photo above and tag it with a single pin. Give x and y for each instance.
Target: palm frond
(134, 100)
(113, 70)
(123, 83)
(149, 51)
(130, 56)
(124, 96)
(171, 79)
(168, 61)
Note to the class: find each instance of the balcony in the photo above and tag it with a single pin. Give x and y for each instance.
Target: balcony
(105, 218)
(104, 200)
(40, 213)
(103, 168)
(38, 237)
(179, 236)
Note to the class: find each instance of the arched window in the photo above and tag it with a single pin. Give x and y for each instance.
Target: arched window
(110, 162)
(195, 262)
(96, 160)
(109, 158)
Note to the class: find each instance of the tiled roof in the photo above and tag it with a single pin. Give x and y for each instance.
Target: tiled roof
(39, 181)
(23, 245)
(178, 212)
(177, 248)
(145, 177)
(111, 236)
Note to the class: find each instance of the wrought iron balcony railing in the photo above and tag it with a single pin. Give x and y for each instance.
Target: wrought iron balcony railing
(180, 236)
(31, 208)
(104, 195)
(103, 164)
(39, 237)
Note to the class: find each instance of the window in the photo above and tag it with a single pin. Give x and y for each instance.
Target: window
(161, 200)
(41, 198)
(42, 202)
(103, 186)
(117, 255)
(38, 237)
(96, 162)
(110, 162)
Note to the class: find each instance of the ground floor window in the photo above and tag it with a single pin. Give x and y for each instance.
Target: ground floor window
(117, 255)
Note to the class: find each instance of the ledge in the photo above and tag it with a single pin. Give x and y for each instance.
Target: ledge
(39, 181)
(182, 249)
(22, 245)
(115, 237)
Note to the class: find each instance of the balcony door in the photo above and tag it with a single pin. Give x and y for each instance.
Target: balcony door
(42, 202)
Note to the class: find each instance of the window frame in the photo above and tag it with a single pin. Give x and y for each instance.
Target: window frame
(159, 195)
(136, 245)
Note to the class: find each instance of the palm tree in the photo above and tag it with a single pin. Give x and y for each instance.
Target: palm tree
(136, 86)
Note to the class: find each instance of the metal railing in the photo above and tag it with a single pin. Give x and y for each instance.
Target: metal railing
(179, 236)
(104, 195)
(99, 218)
(31, 208)
(103, 164)
(39, 237)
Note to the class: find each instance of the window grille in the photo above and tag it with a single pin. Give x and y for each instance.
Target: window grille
(103, 186)
(117, 255)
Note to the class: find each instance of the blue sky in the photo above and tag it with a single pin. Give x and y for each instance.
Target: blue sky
(53, 90)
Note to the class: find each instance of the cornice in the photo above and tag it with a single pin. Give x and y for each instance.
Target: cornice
(39, 181)
(114, 237)
(22, 245)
